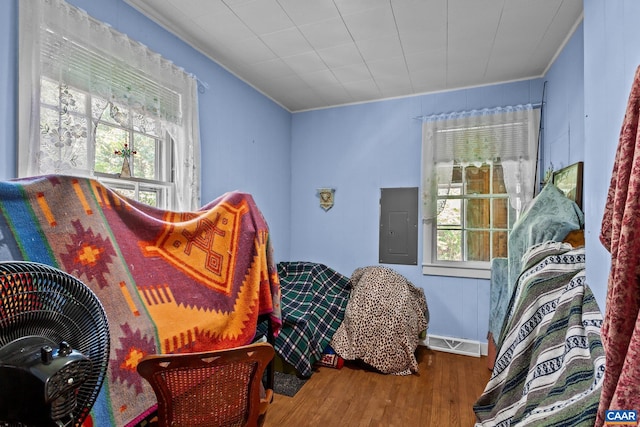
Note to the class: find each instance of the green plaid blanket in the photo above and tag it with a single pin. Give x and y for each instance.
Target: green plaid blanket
(314, 298)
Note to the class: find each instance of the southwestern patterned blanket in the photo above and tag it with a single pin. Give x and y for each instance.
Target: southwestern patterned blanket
(169, 282)
(550, 366)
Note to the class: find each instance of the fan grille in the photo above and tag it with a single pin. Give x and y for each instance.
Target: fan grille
(39, 300)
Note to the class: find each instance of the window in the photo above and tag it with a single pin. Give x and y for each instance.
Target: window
(108, 108)
(70, 118)
(476, 217)
(478, 173)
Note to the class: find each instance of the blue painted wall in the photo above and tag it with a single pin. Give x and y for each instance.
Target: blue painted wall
(611, 56)
(245, 136)
(251, 144)
(8, 89)
(563, 112)
(361, 148)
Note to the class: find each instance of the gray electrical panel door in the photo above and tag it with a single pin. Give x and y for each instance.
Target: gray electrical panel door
(399, 225)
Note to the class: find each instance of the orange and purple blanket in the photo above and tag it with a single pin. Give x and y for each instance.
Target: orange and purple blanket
(170, 282)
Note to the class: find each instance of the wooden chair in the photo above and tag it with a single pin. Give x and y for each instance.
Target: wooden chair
(213, 388)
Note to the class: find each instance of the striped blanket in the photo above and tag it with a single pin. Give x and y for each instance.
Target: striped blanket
(550, 364)
(169, 282)
(314, 298)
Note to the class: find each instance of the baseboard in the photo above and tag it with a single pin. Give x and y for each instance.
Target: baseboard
(484, 349)
(456, 345)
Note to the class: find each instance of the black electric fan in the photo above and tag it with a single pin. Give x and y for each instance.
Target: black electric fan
(54, 346)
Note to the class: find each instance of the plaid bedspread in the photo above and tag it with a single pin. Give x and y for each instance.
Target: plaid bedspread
(314, 298)
(551, 363)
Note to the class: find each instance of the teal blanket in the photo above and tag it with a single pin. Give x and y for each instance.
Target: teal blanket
(550, 217)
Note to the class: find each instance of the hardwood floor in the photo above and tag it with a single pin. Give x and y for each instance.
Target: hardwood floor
(442, 393)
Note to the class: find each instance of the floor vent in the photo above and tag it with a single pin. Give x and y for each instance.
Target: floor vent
(454, 345)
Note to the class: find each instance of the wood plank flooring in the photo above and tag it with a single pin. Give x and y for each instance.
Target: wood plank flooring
(442, 393)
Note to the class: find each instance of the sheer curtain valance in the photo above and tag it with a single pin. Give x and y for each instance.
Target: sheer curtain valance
(65, 45)
(505, 135)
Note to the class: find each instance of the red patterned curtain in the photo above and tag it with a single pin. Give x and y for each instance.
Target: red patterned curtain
(620, 234)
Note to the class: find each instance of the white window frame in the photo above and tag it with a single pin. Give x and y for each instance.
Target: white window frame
(162, 184)
(472, 269)
(53, 35)
(518, 197)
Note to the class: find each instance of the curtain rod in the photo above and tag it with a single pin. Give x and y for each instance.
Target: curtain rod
(422, 117)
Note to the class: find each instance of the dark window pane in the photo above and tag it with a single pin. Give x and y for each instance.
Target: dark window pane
(500, 239)
(478, 214)
(500, 213)
(478, 246)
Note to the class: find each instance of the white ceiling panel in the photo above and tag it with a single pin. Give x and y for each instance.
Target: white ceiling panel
(288, 42)
(347, 7)
(366, 90)
(263, 16)
(379, 48)
(426, 59)
(304, 12)
(307, 62)
(371, 23)
(324, 79)
(389, 68)
(328, 33)
(340, 56)
(352, 73)
(307, 54)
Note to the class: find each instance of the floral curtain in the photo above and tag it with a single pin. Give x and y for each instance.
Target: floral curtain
(505, 134)
(67, 46)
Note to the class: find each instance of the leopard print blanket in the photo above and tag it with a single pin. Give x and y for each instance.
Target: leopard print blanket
(383, 320)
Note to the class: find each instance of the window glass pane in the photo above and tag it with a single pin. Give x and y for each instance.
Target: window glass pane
(116, 115)
(146, 125)
(478, 214)
(449, 245)
(145, 159)
(109, 139)
(63, 140)
(73, 100)
(500, 239)
(500, 217)
(451, 213)
(98, 108)
(49, 92)
(66, 99)
(498, 180)
(477, 179)
(456, 175)
(473, 217)
(478, 248)
(149, 197)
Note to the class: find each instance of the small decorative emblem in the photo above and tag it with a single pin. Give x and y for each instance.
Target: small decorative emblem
(326, 197)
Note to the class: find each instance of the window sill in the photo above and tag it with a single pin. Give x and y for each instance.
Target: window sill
(116, 177)
(471, 272)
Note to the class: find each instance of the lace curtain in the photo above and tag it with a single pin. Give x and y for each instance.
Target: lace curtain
(69, 47)
(505, 134)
